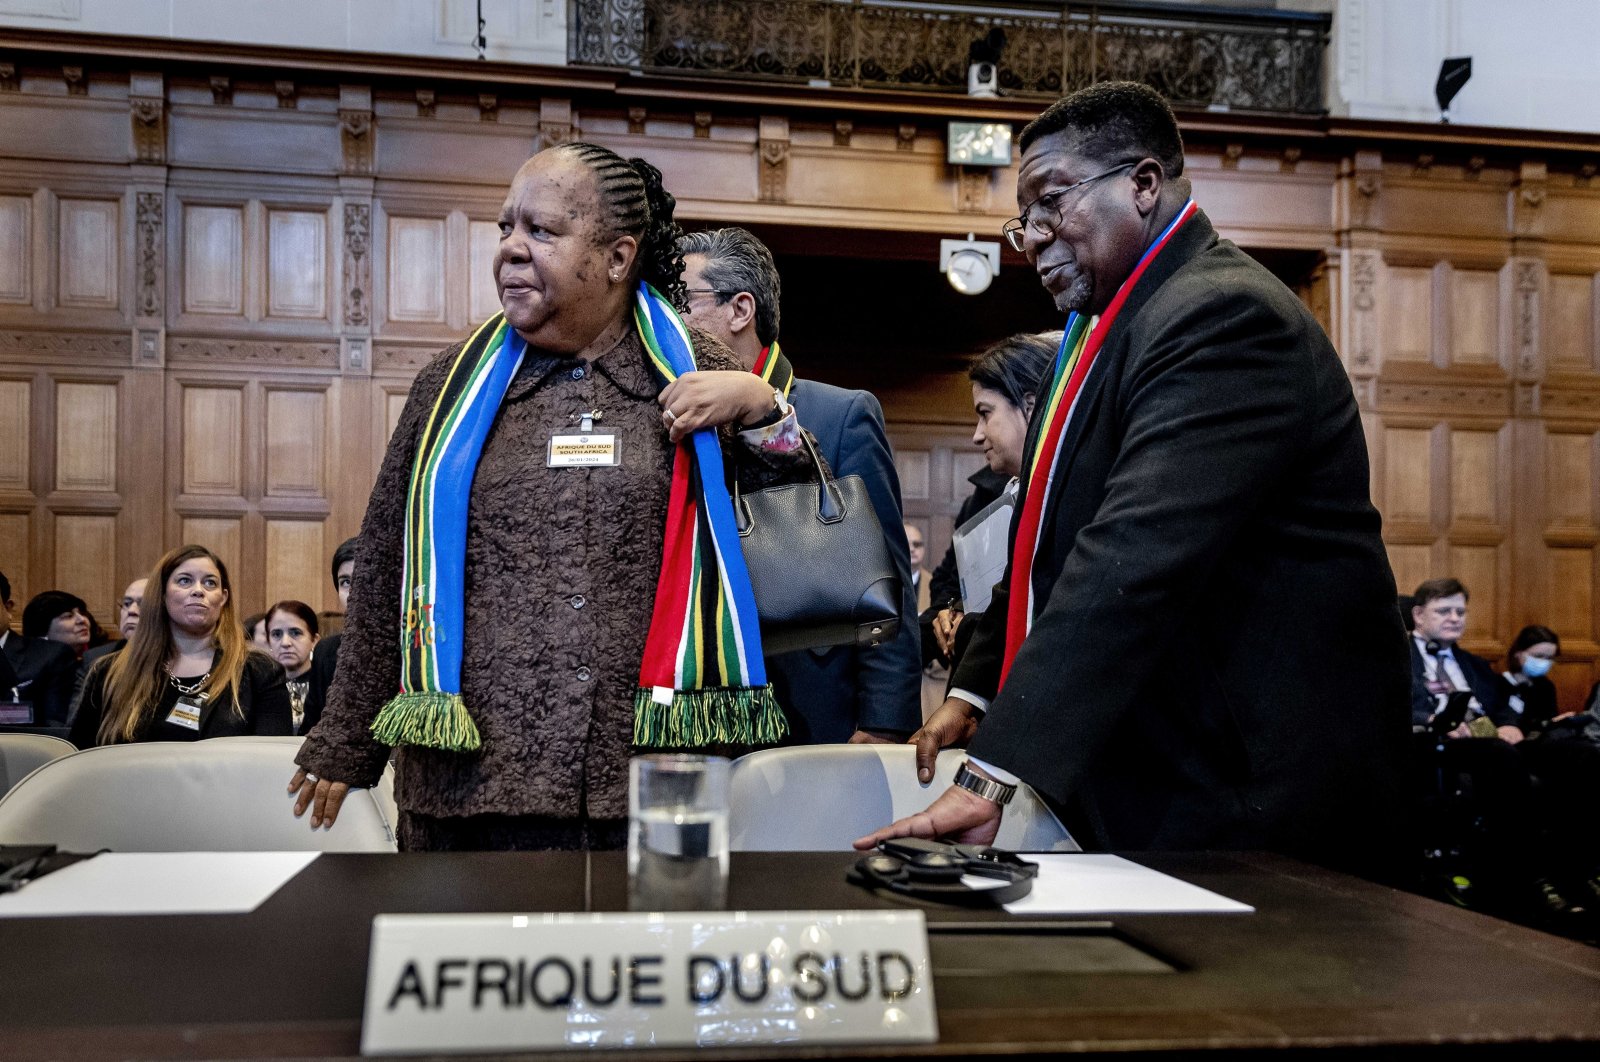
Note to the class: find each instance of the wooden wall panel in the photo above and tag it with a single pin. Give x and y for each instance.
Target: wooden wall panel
(1475, 479)
(1408, 474)
(212, 428)
(86, 436)
(16, 249)
(1570, 333)
(86, 554)
(1569, 591)
(416, 270)
(224, 537)
(16, 549)
(914, 468)
(295, 424)
(213, 259)
(1569, 483)
(296, 563)
(1408, 313)
(16, 428)
(90, 252)
(297, 264)
(1412, 564)
(1475, 317)
(1480, 569)
(483, 302)
(394, 404)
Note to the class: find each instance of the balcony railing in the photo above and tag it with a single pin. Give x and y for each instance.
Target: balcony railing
(1228, 59)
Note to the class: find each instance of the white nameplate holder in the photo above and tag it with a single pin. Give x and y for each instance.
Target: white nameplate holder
(588, 448)
(476, 983)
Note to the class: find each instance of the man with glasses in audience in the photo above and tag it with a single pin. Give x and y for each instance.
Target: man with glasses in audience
(1195, 645)
(842, 693)
(127, 623)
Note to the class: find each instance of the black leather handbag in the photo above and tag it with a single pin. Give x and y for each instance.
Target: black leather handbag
(819, 564)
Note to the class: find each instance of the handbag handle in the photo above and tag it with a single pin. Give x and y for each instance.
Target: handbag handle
(830, 502)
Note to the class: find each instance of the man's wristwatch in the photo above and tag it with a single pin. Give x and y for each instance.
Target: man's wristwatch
(988, 788)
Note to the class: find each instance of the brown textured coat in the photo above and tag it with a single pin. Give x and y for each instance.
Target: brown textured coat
(560, 581)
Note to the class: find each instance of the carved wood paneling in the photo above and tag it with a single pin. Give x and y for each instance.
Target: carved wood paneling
(483, 302)
(297, 263)
(212, 430)
(1408, 314)
(1569, 470)
(914, 468)
(296, 564)
(86, 436)
(16, 249)
(1475, 478)
(1408, 474)
(224, 536)
(295, 423)
(1475, 317)
(1569, 339)
(90, 252)
(86, 556)
(16, 546)
(416, 270)
(16, 428)
(213, 260)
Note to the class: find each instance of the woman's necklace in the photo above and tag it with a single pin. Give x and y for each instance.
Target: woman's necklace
(298, 689)
(192, 688)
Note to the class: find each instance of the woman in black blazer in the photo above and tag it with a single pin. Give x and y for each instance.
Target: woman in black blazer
(188, 672)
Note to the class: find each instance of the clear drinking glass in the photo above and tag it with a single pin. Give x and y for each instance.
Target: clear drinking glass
(677, 833)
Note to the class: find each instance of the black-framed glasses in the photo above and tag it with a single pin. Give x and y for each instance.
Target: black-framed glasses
(1044, 214)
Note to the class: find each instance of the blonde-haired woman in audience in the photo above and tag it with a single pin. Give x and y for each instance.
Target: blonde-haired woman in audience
(188, 672)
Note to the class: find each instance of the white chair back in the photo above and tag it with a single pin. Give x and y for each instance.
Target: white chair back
(819, 798)
(22, 754)
(217, 795)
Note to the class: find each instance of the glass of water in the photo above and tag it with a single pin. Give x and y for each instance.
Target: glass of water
(677, 833)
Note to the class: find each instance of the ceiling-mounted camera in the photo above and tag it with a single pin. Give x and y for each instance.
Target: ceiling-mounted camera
(983, 64)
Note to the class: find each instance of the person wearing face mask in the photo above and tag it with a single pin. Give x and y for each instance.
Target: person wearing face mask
(187, 672)
(1526, 686)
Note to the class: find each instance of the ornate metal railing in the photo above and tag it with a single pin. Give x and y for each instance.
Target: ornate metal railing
(1225, 59)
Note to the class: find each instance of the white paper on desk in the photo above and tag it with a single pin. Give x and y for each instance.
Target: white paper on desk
(1084, 884)
(157, 883)
(980, 546)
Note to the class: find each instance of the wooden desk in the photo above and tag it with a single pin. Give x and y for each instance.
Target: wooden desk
(1328, 963)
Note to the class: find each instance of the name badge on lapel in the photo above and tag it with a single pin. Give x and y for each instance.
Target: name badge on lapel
(586, 449)
(186, 713)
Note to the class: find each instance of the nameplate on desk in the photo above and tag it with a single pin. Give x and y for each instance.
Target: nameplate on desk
(465, 983)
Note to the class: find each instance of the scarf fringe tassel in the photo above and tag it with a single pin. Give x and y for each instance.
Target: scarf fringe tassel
(432, 719)
(696, 718)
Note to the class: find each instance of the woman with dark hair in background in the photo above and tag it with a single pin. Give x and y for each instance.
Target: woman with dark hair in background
(534, 645)
(255, 630)
(1005, 382)
(292, 634)
(187, 672)
(58, 616)
(1525, 684)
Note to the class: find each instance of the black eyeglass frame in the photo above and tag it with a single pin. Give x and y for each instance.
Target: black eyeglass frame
(1015, 229)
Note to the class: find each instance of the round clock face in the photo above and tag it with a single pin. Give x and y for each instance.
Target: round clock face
(969, 272)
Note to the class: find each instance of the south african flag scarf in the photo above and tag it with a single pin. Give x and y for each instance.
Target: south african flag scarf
(1080, 345)
(702, 681)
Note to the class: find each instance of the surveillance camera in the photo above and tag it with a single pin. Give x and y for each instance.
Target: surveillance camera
(983, 80)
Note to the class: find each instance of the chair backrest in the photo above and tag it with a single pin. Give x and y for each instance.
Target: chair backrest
(819, 798)
(22, 754)
(217, 795)
(383, 792)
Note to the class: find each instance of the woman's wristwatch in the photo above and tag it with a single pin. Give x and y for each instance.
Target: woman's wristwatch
(988, 788)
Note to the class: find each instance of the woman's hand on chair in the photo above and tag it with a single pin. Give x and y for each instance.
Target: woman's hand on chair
(322, 795)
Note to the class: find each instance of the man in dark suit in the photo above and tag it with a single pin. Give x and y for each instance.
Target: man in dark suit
(38, 689)
(127, 622)
(1202, 649)
(325, 661)
(842, 693)
(1440, 667)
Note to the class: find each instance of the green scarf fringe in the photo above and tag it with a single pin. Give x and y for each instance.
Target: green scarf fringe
(433, 719)
(696, 718)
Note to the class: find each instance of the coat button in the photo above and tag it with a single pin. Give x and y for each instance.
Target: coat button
(584, 674)
(577, 374)
(578, 601)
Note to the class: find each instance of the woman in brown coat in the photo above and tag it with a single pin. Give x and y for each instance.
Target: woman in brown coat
(562, 557)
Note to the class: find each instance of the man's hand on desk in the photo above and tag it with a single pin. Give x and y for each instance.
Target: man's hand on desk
(322, 796)
(959, 815)
(952, 723)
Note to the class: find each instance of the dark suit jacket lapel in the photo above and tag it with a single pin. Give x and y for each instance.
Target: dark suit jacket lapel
(1185, 244)
(210, 705)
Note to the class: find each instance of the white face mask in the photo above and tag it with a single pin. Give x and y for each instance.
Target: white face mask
(1535, 666)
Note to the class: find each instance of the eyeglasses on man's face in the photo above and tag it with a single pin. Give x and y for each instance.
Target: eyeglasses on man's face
(1044, 214)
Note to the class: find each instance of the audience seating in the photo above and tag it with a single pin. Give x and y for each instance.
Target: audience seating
(219, 795)
(21, 754)
(776, 799)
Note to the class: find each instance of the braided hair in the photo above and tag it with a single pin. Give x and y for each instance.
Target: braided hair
(640, 207)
